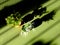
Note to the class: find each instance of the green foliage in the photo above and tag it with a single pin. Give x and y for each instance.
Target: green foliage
(13, 19)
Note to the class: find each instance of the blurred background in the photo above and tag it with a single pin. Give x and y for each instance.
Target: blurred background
(47, 33)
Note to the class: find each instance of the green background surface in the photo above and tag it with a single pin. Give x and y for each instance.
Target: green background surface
(46, 32)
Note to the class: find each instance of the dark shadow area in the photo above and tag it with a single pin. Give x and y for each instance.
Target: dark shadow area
(36, 12)
(49, 16)
(41, 33)
(2, 22)
(36, 22)
(22, 7)
(11, 39)
(38, 43)
(39, 11)
(4, 2)
(6, 30)
(27, 18)
(27, 5)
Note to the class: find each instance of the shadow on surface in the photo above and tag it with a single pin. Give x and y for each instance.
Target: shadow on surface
(36, 12)
(39, 11)
(48, 16)
(28, 18)
(35, 23)
(38, 43)
(21, 7)
(2, 22)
